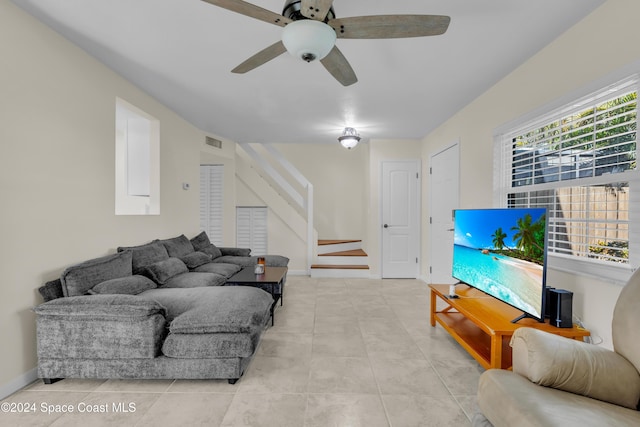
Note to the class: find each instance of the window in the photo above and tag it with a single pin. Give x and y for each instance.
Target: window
(137, 161)
(580, 162)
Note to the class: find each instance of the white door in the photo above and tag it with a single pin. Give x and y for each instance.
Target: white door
(400, 218)
(444, 190)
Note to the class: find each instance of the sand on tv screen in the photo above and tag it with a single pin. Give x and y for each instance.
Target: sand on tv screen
(502, 252)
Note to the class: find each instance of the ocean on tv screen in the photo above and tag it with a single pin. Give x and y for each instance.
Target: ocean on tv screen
(501, 252)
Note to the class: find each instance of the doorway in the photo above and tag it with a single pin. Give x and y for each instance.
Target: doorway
(400, 218)
(444, 190)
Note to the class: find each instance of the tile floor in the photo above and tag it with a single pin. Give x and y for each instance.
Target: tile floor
(342, 353)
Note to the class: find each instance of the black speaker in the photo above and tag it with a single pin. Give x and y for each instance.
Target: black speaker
(547, 302)
(561, 308)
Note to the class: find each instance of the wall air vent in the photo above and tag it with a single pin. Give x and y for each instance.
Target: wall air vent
(213, 142)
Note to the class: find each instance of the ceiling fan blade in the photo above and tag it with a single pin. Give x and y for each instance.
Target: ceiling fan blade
(315, 9)
(262, 57)
(251, 10)
(339, 67)
(390, 26)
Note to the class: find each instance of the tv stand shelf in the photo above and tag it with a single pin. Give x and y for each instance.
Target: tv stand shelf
(482, 324)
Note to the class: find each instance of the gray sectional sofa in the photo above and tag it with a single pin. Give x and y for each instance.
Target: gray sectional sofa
(158, 310)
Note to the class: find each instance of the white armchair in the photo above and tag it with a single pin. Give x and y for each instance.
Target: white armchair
(562, 382)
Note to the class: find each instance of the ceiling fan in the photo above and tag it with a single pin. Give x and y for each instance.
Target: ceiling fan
(311, 29)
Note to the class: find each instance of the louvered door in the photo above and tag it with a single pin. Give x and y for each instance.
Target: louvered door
(251, 229)
(211, 202)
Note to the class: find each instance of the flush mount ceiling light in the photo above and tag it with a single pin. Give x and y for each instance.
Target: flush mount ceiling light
(308, 39)
(349, 138)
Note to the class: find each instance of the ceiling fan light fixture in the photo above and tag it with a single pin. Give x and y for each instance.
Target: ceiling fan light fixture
(308, 39)
(349, 138)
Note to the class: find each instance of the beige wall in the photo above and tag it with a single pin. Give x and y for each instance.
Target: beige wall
(339, 183)
(57, 108)
(591, 50)
(380, 150)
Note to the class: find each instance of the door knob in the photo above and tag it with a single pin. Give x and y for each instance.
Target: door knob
(386, 226)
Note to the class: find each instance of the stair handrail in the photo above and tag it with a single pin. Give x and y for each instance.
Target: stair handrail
(274, 174)
(291, 170)
(305, 203)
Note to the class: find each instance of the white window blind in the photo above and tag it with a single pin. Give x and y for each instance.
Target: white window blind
(580, 162)
(251, 229)
(211, 201)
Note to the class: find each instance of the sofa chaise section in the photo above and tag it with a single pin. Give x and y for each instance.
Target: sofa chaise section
(212, 334)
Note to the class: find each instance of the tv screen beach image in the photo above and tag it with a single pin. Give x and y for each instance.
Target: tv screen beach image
(502, 253)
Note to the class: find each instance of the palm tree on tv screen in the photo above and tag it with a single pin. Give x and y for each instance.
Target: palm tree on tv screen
(498, 238)
(529, 238)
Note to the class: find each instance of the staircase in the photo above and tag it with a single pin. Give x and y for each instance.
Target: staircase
(340, 259)
(289, 196)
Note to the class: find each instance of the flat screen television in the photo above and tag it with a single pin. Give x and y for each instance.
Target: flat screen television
(503, 253)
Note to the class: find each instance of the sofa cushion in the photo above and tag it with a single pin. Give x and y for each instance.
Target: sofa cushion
(195, 280)
(178, 246)
(125, 307)
(201, 241)
(217, 299)
(231, 310)
(212, 250)
(195, 259)
(131, 285)
(179, 300)
(242, 261)
(144, 255)
(508, 399)
(79, 278)
(248, 261)
(235, 251)
(211, 346)
(624, 326)
(226, 270)
(161, 271)
(103, 327)
(276, 261)
(553, 361)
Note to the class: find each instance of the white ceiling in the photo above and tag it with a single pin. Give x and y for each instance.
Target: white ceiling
(182, 51)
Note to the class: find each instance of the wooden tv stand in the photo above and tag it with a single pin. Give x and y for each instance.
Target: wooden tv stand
(482, 324)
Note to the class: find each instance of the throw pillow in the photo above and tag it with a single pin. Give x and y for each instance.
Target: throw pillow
(162, 271)
(201, 241)
(146, 254)
(78, 279)
(132, 285)
(196, 259)
(51, 290)
(212, 250)
(178, 247)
